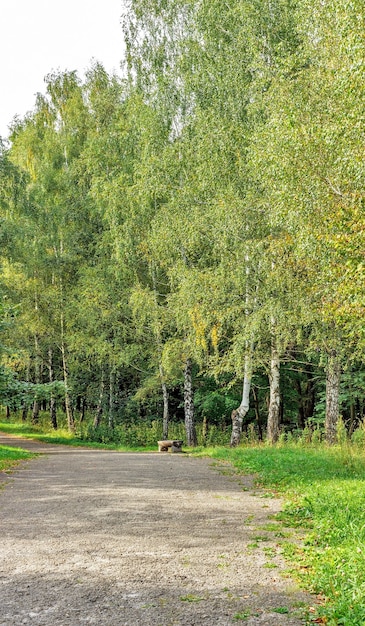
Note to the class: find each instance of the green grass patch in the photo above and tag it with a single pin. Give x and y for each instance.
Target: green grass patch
(242, 616)
(283, 610)
(11, 457)
(324, 489)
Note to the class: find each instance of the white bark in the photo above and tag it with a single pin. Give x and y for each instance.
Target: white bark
(165, 398)
(52, 408)
(68, 405)
(37, 373)
(333, 376)
(274, 405)
(239, 414)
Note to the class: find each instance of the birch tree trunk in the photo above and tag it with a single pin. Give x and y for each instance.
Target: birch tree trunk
(191, 438)
(166, 410)
(274, 402)
(333, 377)
(25, 406)
(37, 367)
(239, 414)
(68, 404)
(37, 375)
(52, 406)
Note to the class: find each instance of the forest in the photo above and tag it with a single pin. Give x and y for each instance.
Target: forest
(185, 244)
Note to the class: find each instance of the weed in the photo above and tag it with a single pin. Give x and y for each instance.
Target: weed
(242, 616)
(283, 610)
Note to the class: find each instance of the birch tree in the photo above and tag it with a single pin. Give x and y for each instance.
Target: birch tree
(308, 153)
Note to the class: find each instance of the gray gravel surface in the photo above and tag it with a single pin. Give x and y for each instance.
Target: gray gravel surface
(106, 538)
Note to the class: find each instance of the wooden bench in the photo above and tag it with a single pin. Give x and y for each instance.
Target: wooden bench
(174, 445)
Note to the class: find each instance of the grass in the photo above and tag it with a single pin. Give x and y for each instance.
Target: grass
(283, 610)
(324, 489)
(242, 616)
(139, 435)
(11, 457)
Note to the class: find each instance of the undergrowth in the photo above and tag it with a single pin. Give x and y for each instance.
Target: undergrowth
(138, 435)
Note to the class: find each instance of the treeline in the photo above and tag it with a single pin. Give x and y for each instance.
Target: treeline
(188, 242)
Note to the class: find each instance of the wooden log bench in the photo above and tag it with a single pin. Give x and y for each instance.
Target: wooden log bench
(174, 445)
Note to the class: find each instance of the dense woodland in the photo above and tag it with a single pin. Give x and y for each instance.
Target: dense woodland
(188, 242)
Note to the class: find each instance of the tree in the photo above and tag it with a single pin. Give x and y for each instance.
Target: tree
(46, 146)
(307, 155)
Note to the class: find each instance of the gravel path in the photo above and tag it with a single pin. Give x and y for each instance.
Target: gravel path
(112, 539)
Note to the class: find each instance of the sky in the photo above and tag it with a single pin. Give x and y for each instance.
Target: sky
(40, 36)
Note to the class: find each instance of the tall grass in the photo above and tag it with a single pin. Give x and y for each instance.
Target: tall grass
(138, 435)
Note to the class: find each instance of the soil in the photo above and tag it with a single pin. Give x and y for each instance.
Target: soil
(114, 539)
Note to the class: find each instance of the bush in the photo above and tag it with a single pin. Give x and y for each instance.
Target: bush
(358, 436)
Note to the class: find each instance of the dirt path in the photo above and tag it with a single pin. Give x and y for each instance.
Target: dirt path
(99, 537)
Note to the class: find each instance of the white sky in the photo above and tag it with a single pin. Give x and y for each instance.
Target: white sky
(39, 36)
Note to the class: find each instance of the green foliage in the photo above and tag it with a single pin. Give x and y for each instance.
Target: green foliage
(216, 405)
(133, 435)
(146, 434)
(16, 393)
(358, 436)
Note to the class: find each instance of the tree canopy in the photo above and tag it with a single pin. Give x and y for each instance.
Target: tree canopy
(191, 237)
